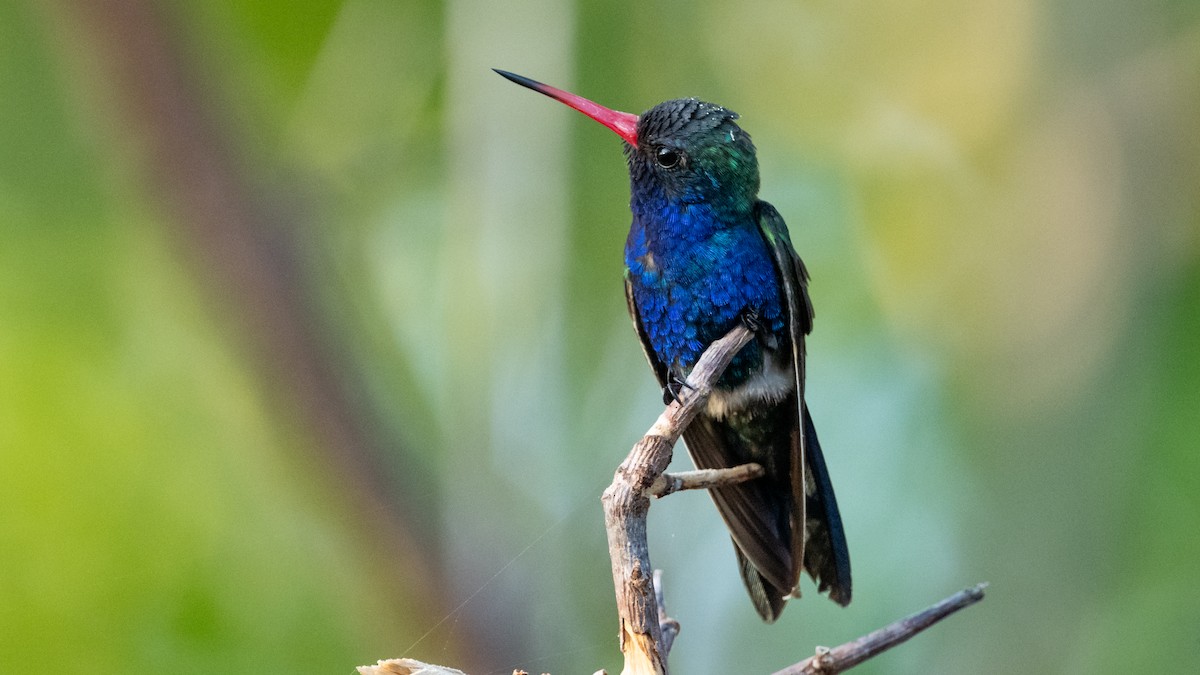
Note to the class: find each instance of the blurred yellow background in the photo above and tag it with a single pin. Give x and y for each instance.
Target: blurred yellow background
(313, 348)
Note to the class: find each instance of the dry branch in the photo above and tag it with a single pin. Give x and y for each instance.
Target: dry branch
(668, 627)
(845, 657)
(646, 632)
(626, 505)
(406, 667)
(704, 479)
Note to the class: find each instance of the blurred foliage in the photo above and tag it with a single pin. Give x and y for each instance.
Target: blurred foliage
(997, 201)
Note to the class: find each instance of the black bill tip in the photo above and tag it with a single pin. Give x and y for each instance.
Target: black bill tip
(521, 80)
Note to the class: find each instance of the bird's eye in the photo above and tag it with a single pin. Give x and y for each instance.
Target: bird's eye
(667, 158)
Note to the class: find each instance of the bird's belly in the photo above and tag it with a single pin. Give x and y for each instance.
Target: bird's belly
(770, 385)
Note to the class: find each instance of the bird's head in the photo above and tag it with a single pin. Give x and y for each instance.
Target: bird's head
(695, 152)
(685, 149)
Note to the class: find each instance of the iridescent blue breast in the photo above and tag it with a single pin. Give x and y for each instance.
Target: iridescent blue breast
(692, 287)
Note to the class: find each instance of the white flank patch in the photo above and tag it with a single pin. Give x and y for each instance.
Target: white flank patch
(772, 385)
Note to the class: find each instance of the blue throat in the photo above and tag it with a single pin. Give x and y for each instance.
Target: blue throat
(695, 269)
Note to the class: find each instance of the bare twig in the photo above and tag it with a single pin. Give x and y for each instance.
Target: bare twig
(406, 667)
(626, 505)
(666, 625)
(704, 479)
(646, 632)
(845, 657)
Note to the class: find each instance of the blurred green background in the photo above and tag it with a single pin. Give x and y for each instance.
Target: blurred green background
(313, 349)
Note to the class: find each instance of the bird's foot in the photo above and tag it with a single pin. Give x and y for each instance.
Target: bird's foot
(675, 386)
(752, 320)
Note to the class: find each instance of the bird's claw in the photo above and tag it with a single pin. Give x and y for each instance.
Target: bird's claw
(752, 320)
(675, 385)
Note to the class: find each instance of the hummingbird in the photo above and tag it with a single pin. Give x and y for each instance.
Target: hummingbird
(703, 254)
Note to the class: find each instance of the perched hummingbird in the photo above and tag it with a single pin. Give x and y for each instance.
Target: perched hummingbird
(704, 253)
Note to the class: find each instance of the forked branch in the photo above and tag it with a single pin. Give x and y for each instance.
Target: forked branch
(845, 657)
(646, 633)
(626, 504)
